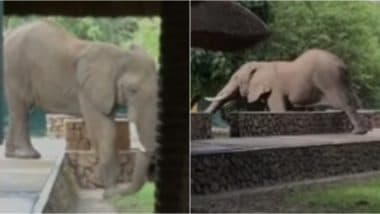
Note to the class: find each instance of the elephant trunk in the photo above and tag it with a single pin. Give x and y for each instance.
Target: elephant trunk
(143, 117)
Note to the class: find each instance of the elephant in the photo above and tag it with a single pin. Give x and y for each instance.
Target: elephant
(316, 77)
(49, 68)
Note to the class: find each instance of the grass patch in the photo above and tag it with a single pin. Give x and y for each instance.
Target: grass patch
(364, 197)
(143, 201)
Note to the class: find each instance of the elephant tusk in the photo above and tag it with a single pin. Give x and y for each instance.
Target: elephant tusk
(212, 99)
(135, 140)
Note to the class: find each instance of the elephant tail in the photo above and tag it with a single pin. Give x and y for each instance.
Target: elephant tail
(356, 100)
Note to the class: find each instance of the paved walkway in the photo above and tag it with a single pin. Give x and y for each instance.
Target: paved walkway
(91, 201)
(219, 145)
(22, 182)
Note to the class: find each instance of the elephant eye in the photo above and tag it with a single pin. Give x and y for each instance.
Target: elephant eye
(132, 90)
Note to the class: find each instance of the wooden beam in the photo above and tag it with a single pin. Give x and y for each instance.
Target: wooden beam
(82, 8)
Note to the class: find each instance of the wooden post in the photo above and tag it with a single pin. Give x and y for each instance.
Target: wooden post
(172, 194)
(2, 100)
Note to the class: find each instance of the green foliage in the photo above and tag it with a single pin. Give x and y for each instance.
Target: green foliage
(122, 31)
(361, 197)
(143, 201)
(350, 30)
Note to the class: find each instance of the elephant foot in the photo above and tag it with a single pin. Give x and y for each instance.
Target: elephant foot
(107, 175)
(111, 192)
(120, 190)
(359, 131)
(23, 152)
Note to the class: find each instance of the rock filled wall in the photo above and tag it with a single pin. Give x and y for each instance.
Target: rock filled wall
(243, 124)
(200, 126)
(231, 171)
(80, 154)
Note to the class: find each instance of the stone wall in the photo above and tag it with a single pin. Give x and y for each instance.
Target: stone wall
(200, 126)
(83, 164)
(213, 173)
(244, 124)
(80, 153)
(55, 125)
(77, 139)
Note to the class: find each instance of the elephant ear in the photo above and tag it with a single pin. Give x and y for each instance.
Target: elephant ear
(259, 84)
(245, 73)
(95, 75)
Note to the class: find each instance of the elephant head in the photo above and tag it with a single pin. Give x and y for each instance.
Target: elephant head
(109, 77)
(261, 81)
(251, 81)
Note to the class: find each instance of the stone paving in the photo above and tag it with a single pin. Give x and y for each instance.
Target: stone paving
(23, 181)
(91, 201)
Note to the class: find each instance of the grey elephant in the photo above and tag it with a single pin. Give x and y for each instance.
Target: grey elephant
(317, 77)
(47, 67)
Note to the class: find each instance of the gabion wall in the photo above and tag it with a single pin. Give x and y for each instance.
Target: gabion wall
(200, 126)
(231, 171)
(243, 124)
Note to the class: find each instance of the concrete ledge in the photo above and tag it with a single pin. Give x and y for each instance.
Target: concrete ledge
(63, 196)
(47, 190)
(223, 165)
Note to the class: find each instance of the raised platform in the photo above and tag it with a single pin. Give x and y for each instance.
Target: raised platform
(255, 124)
(246, 124)
(25, 185)
(230, 164)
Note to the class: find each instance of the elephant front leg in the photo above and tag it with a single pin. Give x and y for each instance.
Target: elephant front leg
(145, 118)
(276, 102)
(102, 133)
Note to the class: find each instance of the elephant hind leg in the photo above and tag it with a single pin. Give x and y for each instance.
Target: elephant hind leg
(18, 143)
(340, 99)
(102, 133)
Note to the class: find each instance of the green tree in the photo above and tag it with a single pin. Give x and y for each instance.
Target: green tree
(349, 29)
